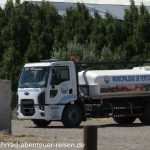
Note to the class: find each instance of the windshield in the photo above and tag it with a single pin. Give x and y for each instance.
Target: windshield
(34, 77)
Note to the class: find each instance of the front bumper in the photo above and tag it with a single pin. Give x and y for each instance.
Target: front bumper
(28, 110)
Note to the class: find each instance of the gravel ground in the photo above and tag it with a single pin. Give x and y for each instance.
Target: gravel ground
(111, 136)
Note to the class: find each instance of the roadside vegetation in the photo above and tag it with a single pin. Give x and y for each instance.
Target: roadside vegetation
(30, 33)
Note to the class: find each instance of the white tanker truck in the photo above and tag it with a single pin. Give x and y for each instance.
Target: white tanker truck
(54, 90)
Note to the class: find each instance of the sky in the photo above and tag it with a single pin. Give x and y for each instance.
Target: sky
(119, 2)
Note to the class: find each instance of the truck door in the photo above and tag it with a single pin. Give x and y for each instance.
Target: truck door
(60, 84)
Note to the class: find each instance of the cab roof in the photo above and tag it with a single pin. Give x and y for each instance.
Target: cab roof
(47, 63)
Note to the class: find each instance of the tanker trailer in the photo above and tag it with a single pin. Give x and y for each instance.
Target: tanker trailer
(121, 94)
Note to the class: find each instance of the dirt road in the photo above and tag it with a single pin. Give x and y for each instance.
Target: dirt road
(110, 135)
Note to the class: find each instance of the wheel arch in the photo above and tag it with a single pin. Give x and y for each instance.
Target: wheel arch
(80, 104)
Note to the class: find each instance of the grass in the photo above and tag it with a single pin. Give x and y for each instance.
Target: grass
(5, 137)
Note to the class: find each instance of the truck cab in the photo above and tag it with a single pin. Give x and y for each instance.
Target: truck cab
(45, 91)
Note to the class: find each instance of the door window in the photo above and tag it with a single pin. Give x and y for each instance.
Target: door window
(60, 74)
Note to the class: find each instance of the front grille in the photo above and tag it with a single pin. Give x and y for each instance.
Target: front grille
(27, 107)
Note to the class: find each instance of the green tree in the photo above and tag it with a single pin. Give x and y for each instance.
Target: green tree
(98, 34)
(77, 24)
(9, 68)
(82, 52)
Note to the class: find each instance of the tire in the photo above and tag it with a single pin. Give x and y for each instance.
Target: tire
(41, 123)
(72, 116)
(124, 120)
(145, 119)
(142, 120)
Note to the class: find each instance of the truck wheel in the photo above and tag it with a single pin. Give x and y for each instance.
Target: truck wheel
(72, 116)
(124, 120)
(142, 120)
(145, 119)
(40, 122)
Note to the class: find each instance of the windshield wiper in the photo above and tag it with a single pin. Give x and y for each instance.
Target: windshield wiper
(37, 85)
(31, 85)
(34, 85)
(24, 86)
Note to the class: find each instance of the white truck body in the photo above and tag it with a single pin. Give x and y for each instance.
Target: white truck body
(55, 90)
(113, 83)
